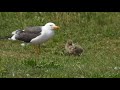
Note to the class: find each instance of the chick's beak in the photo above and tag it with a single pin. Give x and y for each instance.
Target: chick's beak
(56, 27)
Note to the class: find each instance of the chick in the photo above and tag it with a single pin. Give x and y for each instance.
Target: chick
(73, 49)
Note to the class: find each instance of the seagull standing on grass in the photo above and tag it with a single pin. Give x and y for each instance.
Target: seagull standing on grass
(35, 35)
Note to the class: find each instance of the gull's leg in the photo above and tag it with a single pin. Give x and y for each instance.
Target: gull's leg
(36, 49)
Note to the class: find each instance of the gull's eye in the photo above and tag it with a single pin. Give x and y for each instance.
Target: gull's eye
(50, 25)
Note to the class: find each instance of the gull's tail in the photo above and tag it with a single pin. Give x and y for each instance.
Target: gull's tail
(5, 37)
(9, 36)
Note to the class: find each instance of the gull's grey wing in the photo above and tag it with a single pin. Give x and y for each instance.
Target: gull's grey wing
(27, 36)
(35, 29)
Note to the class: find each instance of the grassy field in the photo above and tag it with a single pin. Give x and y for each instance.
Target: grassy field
(97, 32)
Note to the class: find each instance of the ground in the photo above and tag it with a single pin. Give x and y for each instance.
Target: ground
(97, 32)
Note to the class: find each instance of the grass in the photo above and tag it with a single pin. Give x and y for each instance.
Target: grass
(97, 32)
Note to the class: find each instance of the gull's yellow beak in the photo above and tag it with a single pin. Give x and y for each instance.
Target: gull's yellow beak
(56, 27)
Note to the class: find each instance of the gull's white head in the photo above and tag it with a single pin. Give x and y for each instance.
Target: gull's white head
(51, 26)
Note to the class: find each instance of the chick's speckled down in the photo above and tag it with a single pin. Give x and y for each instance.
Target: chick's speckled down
(73, 49)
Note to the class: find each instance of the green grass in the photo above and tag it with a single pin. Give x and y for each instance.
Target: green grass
(97, 32)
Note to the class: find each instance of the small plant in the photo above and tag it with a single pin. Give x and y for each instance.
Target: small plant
(31, 63)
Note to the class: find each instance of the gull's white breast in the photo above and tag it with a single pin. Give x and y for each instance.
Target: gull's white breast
(45, 35)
